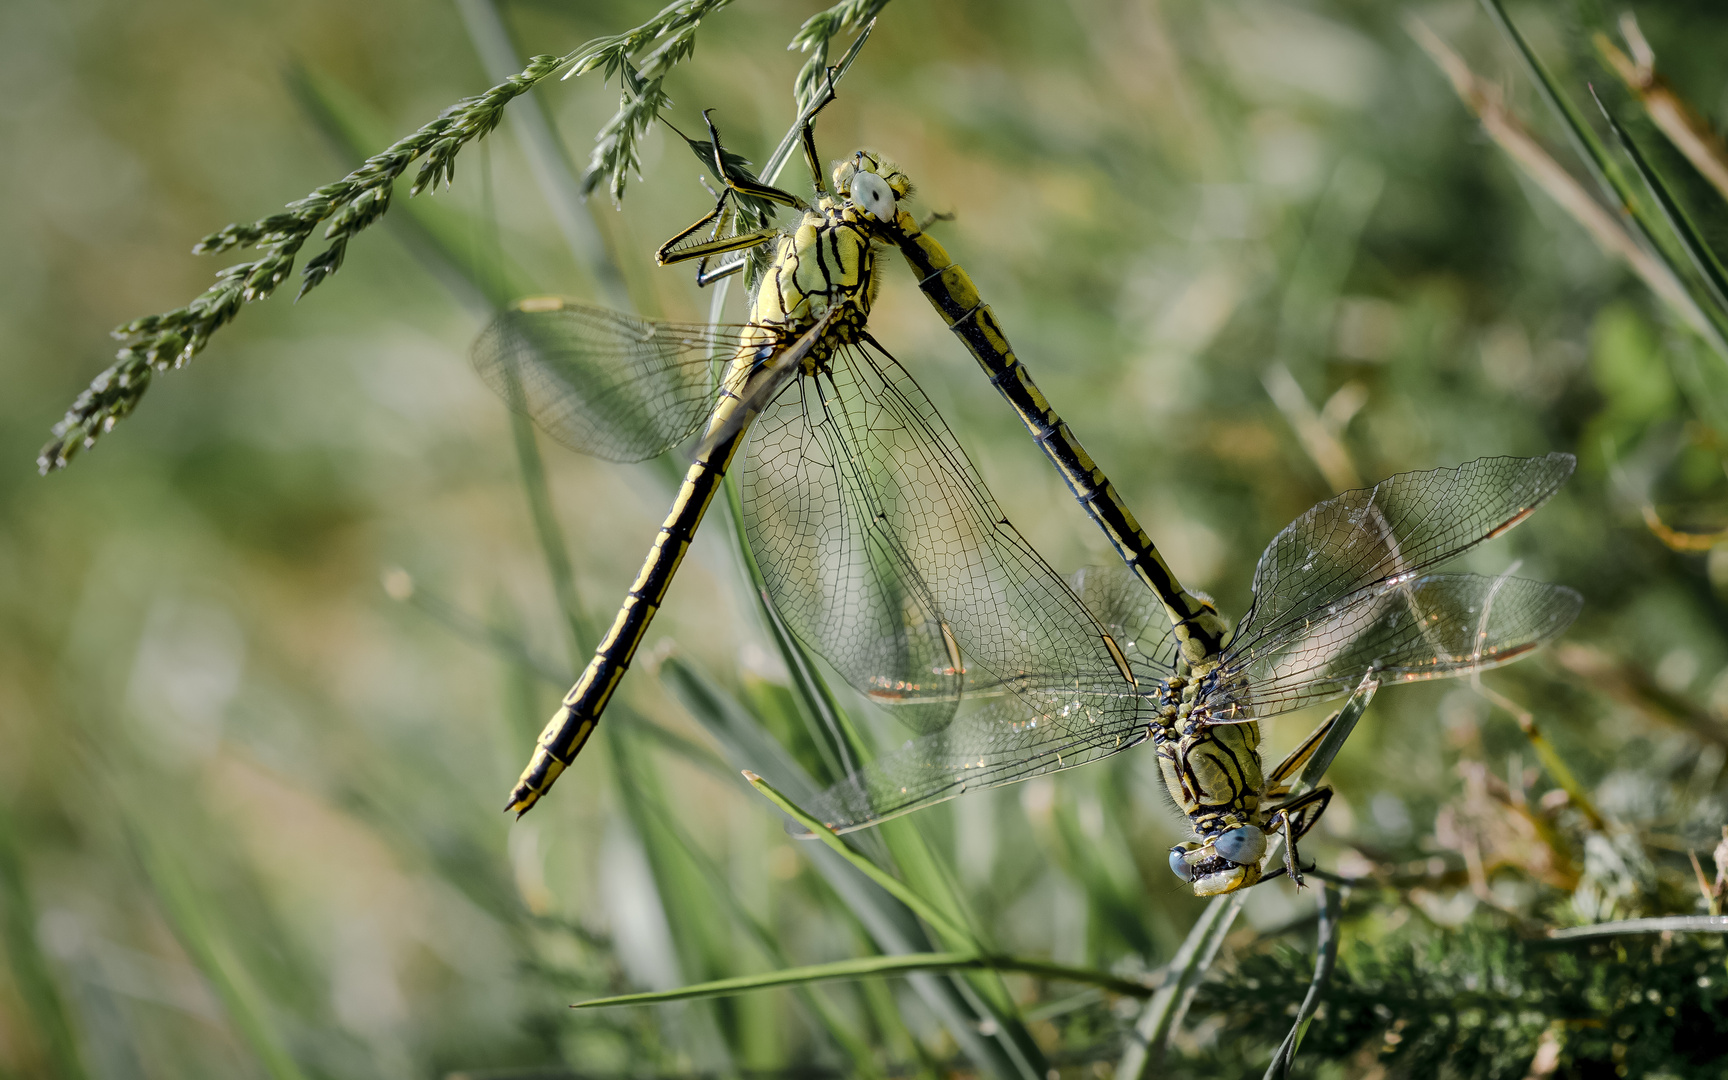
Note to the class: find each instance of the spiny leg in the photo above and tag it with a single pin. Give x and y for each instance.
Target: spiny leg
(1295, 818)
(807, 133)
(738, 185)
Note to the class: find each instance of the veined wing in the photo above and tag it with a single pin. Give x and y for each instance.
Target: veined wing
(1133, 615)
(602, 382)
(885, 553)
(1402, 526)
(1129, 612)
(1008, 740)
(1427, 628)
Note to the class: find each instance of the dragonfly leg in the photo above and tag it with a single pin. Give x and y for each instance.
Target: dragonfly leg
(1295, 818)
(706, 277)
(807, 135)
(807, 132)
(742, 182)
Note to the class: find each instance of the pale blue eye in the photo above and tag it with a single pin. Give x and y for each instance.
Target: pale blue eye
(873, 194)
(1179, 863)
(1243, 845)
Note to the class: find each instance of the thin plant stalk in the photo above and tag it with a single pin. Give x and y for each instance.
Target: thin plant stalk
(1689, 132)
(1484, 99)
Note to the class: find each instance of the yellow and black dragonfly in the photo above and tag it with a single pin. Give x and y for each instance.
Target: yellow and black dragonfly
(1344, 599)
(883, 550)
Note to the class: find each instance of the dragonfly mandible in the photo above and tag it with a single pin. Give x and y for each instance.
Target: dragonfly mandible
(884, 550)
(1344, 591)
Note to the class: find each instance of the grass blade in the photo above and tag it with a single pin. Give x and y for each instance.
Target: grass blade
(194, 927)
(548, 158)
(875, 966)
(925, 910)
(699, 934)
(856, 1050)
(31, 973)
(1670, 924)
(1689, 132)
(1692, 242)
(836, 739)
(1163, 1014)
(1323, 965)
(890, 924)
(1626, 237)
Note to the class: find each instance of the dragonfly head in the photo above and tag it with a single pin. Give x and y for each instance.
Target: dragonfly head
(873, 184)
(1223, 864)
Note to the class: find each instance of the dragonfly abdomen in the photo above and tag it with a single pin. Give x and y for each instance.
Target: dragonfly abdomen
(950, 290)
(826, 264)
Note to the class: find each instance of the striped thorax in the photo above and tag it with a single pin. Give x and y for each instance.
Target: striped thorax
(1213, 773)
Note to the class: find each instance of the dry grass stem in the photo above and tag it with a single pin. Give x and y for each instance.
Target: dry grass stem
(1689, 132)
(1484, 99)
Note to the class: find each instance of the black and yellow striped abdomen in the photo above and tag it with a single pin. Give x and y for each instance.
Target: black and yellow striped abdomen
(826, 263)
(950, 290)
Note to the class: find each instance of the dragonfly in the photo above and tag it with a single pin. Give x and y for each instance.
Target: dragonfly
(884, 551)
(1344, 597)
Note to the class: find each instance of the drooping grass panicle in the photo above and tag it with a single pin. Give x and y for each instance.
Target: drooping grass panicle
(820, 29)
(672, 33)
(345, 208)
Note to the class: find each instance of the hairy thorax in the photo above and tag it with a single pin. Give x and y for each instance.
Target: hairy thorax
(828, 261)
(1212, 770)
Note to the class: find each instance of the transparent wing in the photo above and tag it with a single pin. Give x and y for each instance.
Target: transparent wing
(886, 554)
(1403, 525)
(1008, 740)
(1129, 612)
(1427, 628)
(1133, 615)
(602, 382)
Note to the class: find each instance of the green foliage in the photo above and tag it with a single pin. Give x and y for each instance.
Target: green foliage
(1480, 1001)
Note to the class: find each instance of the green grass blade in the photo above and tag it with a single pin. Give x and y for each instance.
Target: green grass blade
(937, 919)
(1163, 1014)
(700, 934)
(905, 843)
(1613, 182)
(852, 1045)
(1324, 962)
(553, 546)
(891, 925)
(1670, 924)
(32, 975)
(1585, 143)
(941, 916)
(1691, 240)
(548, 158)
(194, 926)
(831, 730)
(877, 966)
(1348, 715)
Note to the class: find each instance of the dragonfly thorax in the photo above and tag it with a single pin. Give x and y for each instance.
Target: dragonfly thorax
(1214, 776)
(828, 261)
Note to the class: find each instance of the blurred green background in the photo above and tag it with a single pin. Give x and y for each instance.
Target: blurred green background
(249, 804)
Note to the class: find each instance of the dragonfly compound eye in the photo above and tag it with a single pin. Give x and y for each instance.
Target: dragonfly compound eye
(1244, 845)
(1179, 860)
(871, 192)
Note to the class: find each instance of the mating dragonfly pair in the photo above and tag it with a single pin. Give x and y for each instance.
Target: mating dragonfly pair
(884, 552)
